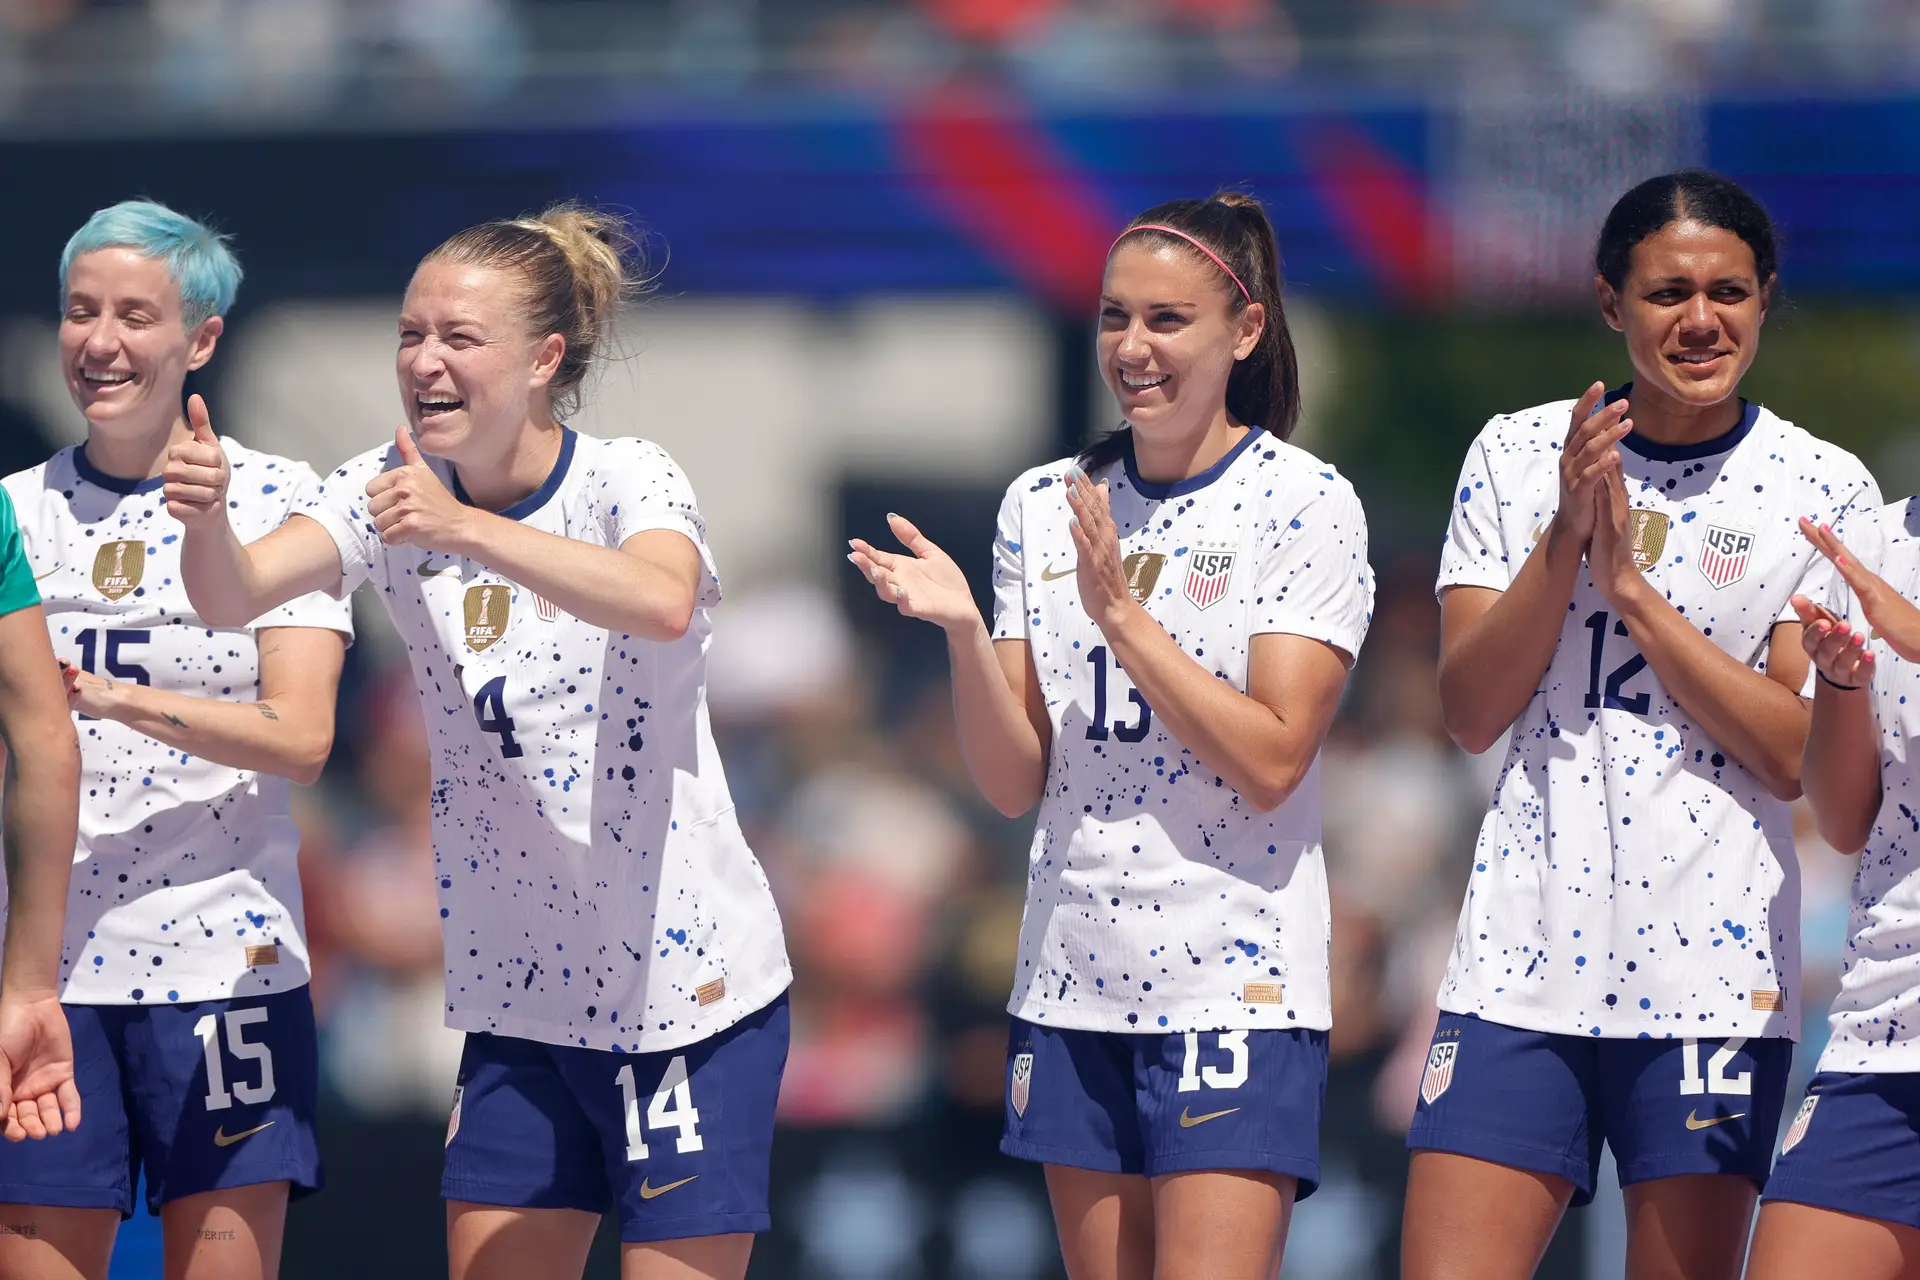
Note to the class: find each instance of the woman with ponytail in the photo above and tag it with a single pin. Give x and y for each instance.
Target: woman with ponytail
(612, 949)
(1176, 612)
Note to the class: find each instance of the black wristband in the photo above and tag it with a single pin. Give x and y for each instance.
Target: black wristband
(1834, 684)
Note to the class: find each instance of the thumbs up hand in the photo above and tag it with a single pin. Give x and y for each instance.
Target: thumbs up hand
(196, 474)
(410, 505)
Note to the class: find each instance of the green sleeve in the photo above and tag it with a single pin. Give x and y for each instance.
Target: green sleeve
(17, 589)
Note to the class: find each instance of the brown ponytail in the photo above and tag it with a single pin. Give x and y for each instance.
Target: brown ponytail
(1264, 389)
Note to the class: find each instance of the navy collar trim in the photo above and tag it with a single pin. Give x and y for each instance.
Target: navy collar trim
(112, 484)
(538, 498)
(1725, 442)
(1179, 488)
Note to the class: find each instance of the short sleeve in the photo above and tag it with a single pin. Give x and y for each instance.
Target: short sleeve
(1009, 573)
(339, 505)
(636, 487)
(329, 613)
(17, 589)
(1475, 554)
(1313, 578)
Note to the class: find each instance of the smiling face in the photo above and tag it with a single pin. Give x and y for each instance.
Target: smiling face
(123, 347)
(1169, 337)
(1691, 309)
(470, 376)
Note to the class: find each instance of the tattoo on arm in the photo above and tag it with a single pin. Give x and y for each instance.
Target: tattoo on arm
(173, 719)
(267, 711)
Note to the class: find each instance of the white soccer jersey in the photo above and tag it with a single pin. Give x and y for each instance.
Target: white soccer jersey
(595, 888)
(1159, 900)
(1631, 878)
(185, 881)
(1876, 1016)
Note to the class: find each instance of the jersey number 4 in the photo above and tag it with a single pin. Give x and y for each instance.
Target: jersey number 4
(490, 713)
(1098, 730)
(1613, 698)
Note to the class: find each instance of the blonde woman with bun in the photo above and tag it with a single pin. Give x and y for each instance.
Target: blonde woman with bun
(612, 950)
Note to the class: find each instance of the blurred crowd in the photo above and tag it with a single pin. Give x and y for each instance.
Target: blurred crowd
(241, 61)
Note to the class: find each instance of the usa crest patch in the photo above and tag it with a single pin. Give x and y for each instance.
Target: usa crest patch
(1724, 553)
(1021, 1088)
(1207, 575)
(1439, 1071)
(1798, 1129)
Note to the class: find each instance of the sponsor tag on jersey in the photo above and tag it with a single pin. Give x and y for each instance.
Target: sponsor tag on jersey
(453, 1117)
(1143, 571)
(1439, 1075)
(1724, 553)
(1207, 576)
(267, 954)
(1798, 1129)
(117, 568)
(711, 992)
(1022, 1085)
(1264, 993)
(488, 607)
(1767, 1001)
(1648, 531)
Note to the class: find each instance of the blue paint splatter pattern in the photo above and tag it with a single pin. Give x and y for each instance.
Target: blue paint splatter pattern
(182, 864)
(595, 887)
(1631, 877)
(1158, 899)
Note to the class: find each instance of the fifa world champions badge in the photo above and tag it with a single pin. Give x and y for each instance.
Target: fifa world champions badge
(1439, 1074)
(1647, 531)
(1020, 1089)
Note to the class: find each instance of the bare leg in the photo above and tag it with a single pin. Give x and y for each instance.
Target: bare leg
(39, 1243)
(1221, 1224)
(1692, 1227)
(696, 1258)
(226, 1235)
(1469, 1219)
(1795, 1240)
(491, 1242)
(1105, 1222)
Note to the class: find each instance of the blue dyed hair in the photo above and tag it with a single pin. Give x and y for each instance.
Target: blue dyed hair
(198, 258)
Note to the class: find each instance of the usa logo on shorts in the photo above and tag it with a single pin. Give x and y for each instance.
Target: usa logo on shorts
(1207, 574)
(1798, 1129)
(1724, 555)
(453, 1117)
(1022, 1082)
(1439, 1071)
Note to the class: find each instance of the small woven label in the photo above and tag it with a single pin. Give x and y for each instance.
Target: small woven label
(708, 992)
(1768, 1001)
(268, 954)
(1264, 993)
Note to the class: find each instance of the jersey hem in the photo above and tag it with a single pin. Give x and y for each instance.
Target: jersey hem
(738, 1009)
(230, 993)
(1067, 1018)
(1776, 1026)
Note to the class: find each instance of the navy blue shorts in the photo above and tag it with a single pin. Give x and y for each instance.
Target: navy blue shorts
(1854, 1147)
(204, 1097)
(1545, 1102)
(1120, 1102)
(677, 1142)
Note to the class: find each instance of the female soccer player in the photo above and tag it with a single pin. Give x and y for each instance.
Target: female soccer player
(612, 948)
(1615, 590)
(1176, 612)
(1844, 1199)
(185, 969)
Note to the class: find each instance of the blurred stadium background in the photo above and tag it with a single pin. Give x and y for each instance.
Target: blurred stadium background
(879, 225)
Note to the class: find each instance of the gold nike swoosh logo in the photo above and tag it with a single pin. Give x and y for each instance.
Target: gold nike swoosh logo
(421, 570)
(648, 1193)
(221, 1138)
(1694, 1122)
(40, 577)
(1188, 1121)
(1048, 575)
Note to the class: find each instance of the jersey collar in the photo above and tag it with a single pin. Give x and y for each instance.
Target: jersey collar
(538, 498)
(1725, 442)
(112, 484)
(1177, 488)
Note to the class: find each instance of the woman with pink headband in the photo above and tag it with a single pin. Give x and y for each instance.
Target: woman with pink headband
(1176, 611)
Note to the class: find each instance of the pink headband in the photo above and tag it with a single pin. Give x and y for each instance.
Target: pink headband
(1175, 231)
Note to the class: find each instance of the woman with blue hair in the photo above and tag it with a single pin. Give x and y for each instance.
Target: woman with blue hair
(184, 968)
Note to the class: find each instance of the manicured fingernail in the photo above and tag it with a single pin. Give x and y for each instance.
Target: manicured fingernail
(893, 515)
(1074, 521)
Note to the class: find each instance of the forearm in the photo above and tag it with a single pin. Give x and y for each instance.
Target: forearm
(599, 585)
(1491, 670)
(219, 575)
(1841, 767)
(1260, 750)
(276, 736)
(1007, 758)
(1755, 719)
(41, 808)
